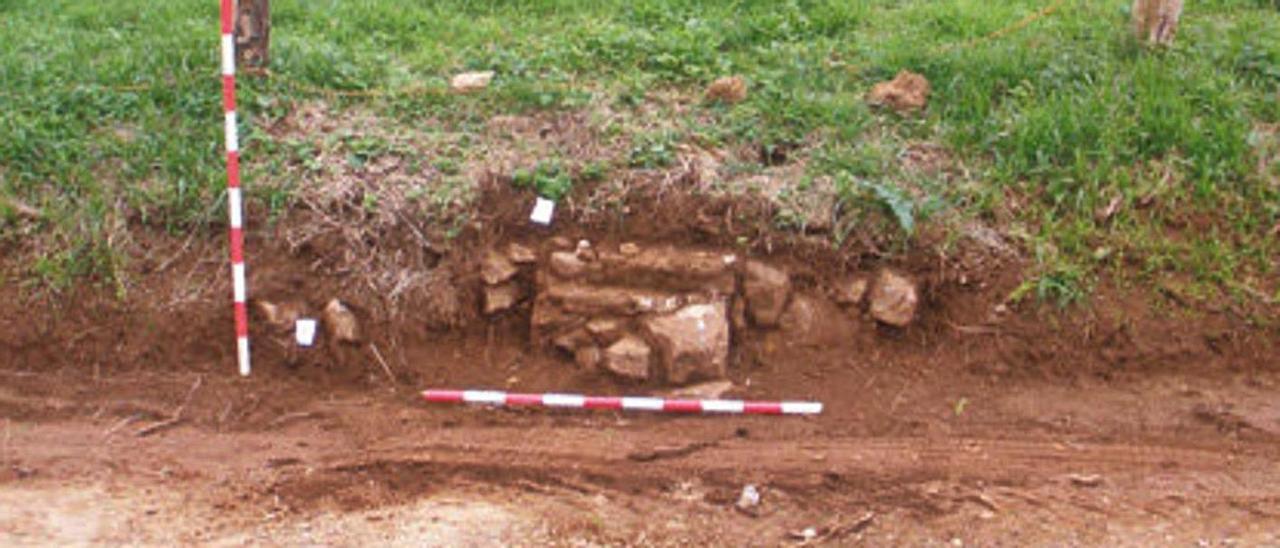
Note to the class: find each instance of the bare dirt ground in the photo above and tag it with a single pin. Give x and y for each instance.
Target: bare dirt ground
(1174, 460)
(1135, 420)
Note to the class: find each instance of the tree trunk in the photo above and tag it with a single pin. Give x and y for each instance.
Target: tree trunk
(253, 34)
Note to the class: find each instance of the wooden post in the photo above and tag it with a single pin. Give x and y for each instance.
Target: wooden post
(253, 34)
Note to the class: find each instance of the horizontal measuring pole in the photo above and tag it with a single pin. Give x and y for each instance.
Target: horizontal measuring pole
(625, 403)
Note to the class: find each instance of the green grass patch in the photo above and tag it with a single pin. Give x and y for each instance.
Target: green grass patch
(110, 110)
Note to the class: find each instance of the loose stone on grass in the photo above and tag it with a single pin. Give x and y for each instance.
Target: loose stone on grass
(907, 91)
(470, 82)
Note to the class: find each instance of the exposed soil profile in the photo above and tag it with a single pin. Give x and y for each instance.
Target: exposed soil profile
(952, 415)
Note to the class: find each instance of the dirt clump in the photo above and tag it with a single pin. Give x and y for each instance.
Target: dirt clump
(908, 91)
(729, 89)
(1155, 22)
(813, 321)
(446, 302)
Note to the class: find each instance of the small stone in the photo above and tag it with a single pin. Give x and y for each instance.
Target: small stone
(738, 314)
(546, 315)
(605, 330)
(1085, 480)
(340, 323)
(749, 500)
(560, 242)
(281, 316)
(906, 92)
(497, 268)
(572, 340)
(501, 298)
(588, 357)
(766, 290)
(628, 358)
(469, 82)
(567, 265)
(584, 251)
(693, 342)
(520, 254)
(850, 292)
(894, 299)
(729, 89)
(629, 249)
(711, 390)
(805, 535)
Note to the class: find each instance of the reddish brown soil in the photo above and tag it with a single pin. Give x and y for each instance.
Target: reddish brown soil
(1133, 420)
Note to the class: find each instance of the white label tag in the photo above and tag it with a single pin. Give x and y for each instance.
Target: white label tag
(542, 211)
(305, 331)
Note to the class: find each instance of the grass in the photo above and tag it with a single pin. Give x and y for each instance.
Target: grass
(110, 112)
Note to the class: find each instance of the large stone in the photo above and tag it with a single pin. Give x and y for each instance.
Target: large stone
(676, 265)
(628, 358)
(693, 343)
(595, 300)
(496, 268)
(894, 299)
(500, 298)
(766, 290)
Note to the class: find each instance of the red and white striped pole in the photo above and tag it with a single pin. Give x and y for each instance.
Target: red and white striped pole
(236, 216)
(659, 405)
